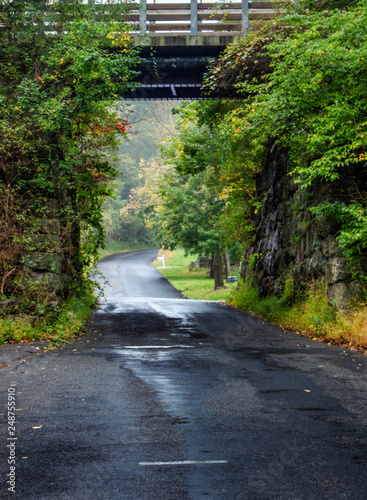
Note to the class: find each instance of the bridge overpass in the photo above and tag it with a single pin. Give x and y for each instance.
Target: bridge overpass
(180, 39)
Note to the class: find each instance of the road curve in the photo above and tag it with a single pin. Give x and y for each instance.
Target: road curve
(167, 398)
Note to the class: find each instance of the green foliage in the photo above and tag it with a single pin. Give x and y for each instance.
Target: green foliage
(288, 292)
(317, 93)
(62, 65)
(71, 319)
(352, 237)
(312, 314)
(56, 329)
(304, 79)
(193, 283)
(206, 198)
(245, 297)
(189, 215)
(252, 260)
(124, 219)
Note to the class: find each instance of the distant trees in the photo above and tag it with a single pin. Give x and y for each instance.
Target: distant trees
(150, 123)
(303, 83)
(189, 195)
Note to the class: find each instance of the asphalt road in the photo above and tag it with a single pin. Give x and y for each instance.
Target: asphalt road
(172, 399)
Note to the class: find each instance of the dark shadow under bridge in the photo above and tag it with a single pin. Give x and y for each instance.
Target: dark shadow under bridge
(180, 40)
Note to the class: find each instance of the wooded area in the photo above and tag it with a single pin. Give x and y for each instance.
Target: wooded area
(277, 179)
(58, 131)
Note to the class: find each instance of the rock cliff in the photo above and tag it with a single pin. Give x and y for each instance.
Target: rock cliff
(289, 241)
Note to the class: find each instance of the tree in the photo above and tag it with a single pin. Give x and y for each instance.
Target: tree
(62, 65)
(303, 79)
(150, 123)
(197, 194)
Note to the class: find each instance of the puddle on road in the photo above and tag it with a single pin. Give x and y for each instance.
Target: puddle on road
(157, 347)
(168, 383)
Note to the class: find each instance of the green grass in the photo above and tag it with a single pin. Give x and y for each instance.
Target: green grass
(69, 322)
(63, 326)
(194, 284)
(311, 315)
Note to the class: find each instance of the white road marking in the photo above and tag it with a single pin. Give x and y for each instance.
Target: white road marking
(158, 347)
(186, 462)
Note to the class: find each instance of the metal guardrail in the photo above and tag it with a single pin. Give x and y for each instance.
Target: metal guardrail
(195, 18)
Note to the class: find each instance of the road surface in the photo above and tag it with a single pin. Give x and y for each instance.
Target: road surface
(173, 399)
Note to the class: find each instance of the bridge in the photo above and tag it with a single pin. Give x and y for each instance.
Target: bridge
(179, 40)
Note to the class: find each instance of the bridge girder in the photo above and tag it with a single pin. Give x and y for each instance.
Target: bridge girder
(173, 72)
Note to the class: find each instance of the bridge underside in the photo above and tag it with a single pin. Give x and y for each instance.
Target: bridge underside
(180, 40)
(175, 71)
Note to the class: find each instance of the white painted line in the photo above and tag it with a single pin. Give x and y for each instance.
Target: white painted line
(186, 462)
(158, 347)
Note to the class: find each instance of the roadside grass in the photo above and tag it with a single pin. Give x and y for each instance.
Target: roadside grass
(68, 324)
(193, 283)
(310, 316)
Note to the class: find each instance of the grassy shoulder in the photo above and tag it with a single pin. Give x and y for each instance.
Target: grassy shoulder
(193, 283)
(310, 316)
(62, 328)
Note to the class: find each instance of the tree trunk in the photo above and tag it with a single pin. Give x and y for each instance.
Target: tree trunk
(211, 275)
(218, 271)
(227, 264)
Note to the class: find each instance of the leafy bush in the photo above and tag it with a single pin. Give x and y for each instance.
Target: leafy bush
(58, 129)
(57, 329)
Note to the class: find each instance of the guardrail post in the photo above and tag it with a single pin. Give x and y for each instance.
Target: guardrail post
(245, 17)
(194, 17)
(143, 17)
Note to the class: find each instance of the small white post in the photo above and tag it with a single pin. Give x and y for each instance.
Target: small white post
(162, 258)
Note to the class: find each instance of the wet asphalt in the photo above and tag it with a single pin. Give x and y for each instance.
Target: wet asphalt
(172, 399)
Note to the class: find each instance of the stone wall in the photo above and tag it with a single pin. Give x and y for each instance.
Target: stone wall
(47, 262)
(289, 241)
(48, 267)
